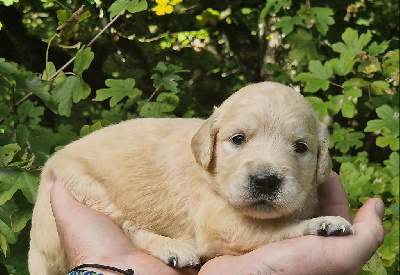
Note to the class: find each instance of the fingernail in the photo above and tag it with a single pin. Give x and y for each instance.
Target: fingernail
(380, 209)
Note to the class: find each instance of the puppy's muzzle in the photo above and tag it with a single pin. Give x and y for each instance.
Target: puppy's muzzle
(265, 183)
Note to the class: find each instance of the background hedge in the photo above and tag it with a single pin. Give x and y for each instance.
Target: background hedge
(168, 58)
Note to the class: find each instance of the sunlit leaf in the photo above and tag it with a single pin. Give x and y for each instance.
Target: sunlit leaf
(317, 78)
(323, 18)
(72, 90)
(165, 103)
(118, 90)
(132, 6)
(82, 61)
(12, 181)
(374, 266)
(345, 138)
(7, 153)
(353, 44)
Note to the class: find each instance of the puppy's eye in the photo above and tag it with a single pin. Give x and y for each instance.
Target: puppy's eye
(238, 139)
(300, 147)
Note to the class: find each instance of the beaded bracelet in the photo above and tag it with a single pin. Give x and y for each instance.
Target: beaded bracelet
(84, 272)
(79, 271)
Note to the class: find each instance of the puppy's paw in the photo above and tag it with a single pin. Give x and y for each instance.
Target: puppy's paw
(328, 226)
(178, 255)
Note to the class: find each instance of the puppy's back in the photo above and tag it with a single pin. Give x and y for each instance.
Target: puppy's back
(117, 170)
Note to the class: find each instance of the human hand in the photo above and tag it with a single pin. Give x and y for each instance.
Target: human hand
(343, 255)
(89, 236)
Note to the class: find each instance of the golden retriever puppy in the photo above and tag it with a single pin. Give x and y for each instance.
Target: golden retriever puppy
(187, 190)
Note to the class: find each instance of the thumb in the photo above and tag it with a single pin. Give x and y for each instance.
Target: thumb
(65, 207)
(368, 227)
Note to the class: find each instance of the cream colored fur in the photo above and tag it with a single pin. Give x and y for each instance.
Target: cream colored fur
(181, 190)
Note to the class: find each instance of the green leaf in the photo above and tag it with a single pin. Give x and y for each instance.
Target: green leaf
(7, 153)
(72, 89)
(353, 44)
(42, 140)
(336, 103)
(40, 88)
(66, 134)
(84, 16)
(384, 141)
(272, 7)
(118, 89)
(374, 266)
(22, 135)
(287, 23)
(380, 86)
(369, 68)
(345, 138)
(376, 49)
(342, 66)
(132, 6)
(394, 188)
(82, 61)
(62, 16)
(319, 70)
(20, 218)
(323, 18)
(392, 164)
(304, 45)
(3, 244)
(7, 68)
(7, 235)
(9, 2)
(165, 103)
(29, 113)
(12, 181)
(390, 246)
(350, 93)
(168, 78)
(319, 105)
(87, 129)
(391, 64)
(7, 232)
(317, 78)
(388, 124)
(347, 109)
(49, 71)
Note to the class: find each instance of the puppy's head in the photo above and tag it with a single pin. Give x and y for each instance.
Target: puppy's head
(266, 151)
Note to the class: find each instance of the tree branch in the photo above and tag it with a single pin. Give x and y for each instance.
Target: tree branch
(88, 45)
(69, 62)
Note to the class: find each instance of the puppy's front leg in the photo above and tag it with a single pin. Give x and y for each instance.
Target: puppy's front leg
(321, 226)
(171, 251)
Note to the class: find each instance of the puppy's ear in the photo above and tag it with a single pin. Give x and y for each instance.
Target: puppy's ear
(324, 164)
(204, 140)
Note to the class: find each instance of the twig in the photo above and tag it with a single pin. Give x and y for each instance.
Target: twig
(69, 62)
(47, 54)
(335, 84)
(155, 91)
(88, 45)
(23, 99)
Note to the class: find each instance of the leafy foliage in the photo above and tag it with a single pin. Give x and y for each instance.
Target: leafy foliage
(168, 58)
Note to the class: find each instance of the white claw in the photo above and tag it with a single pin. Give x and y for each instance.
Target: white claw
(323, 226)
(343, 228)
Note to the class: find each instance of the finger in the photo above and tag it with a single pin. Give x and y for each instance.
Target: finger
(368, 223)
(60, 197)
(334, 200)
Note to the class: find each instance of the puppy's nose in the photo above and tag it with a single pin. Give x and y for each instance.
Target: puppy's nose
(265, 183)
